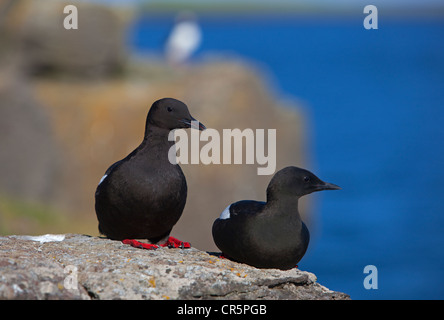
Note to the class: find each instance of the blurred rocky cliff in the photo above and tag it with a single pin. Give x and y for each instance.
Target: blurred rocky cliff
(72, 102)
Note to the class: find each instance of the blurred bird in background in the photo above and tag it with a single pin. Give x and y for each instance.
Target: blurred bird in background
(184, 39)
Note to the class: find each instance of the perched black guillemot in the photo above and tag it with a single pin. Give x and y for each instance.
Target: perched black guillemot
(143, 195)
(269, 234)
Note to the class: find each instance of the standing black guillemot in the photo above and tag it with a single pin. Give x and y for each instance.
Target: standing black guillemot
(143, 195)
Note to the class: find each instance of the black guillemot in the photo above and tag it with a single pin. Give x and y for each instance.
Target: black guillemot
(269, 234)
(143, 195)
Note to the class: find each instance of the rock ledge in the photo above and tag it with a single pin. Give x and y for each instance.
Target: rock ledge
(76, 266)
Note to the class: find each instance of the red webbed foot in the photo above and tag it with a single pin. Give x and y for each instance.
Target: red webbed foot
(141, 245)
(175, 243)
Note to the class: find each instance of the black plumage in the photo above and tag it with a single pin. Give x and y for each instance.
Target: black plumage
(143, 195)
(269, 234)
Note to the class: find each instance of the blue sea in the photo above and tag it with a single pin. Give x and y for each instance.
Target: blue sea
(375, 102)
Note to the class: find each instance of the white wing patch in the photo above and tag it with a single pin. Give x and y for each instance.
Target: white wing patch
(103, 178)
(226, 213)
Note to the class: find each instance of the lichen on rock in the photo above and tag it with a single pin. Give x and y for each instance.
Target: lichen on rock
(85, 267)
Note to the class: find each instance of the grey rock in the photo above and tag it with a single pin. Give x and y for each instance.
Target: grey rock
(84, 267)
(95, 49)
(29, 157)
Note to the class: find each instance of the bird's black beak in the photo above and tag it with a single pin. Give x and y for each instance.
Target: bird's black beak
(193, 123)
(326, 186)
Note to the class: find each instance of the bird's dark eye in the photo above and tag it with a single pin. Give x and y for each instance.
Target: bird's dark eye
(306, 179)
(169, 109)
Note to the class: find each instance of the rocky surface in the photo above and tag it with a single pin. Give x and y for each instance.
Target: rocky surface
(85, 267)
(95, 49)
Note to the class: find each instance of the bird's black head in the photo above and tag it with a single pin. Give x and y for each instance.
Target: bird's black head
(296, 182)
(169, 113)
